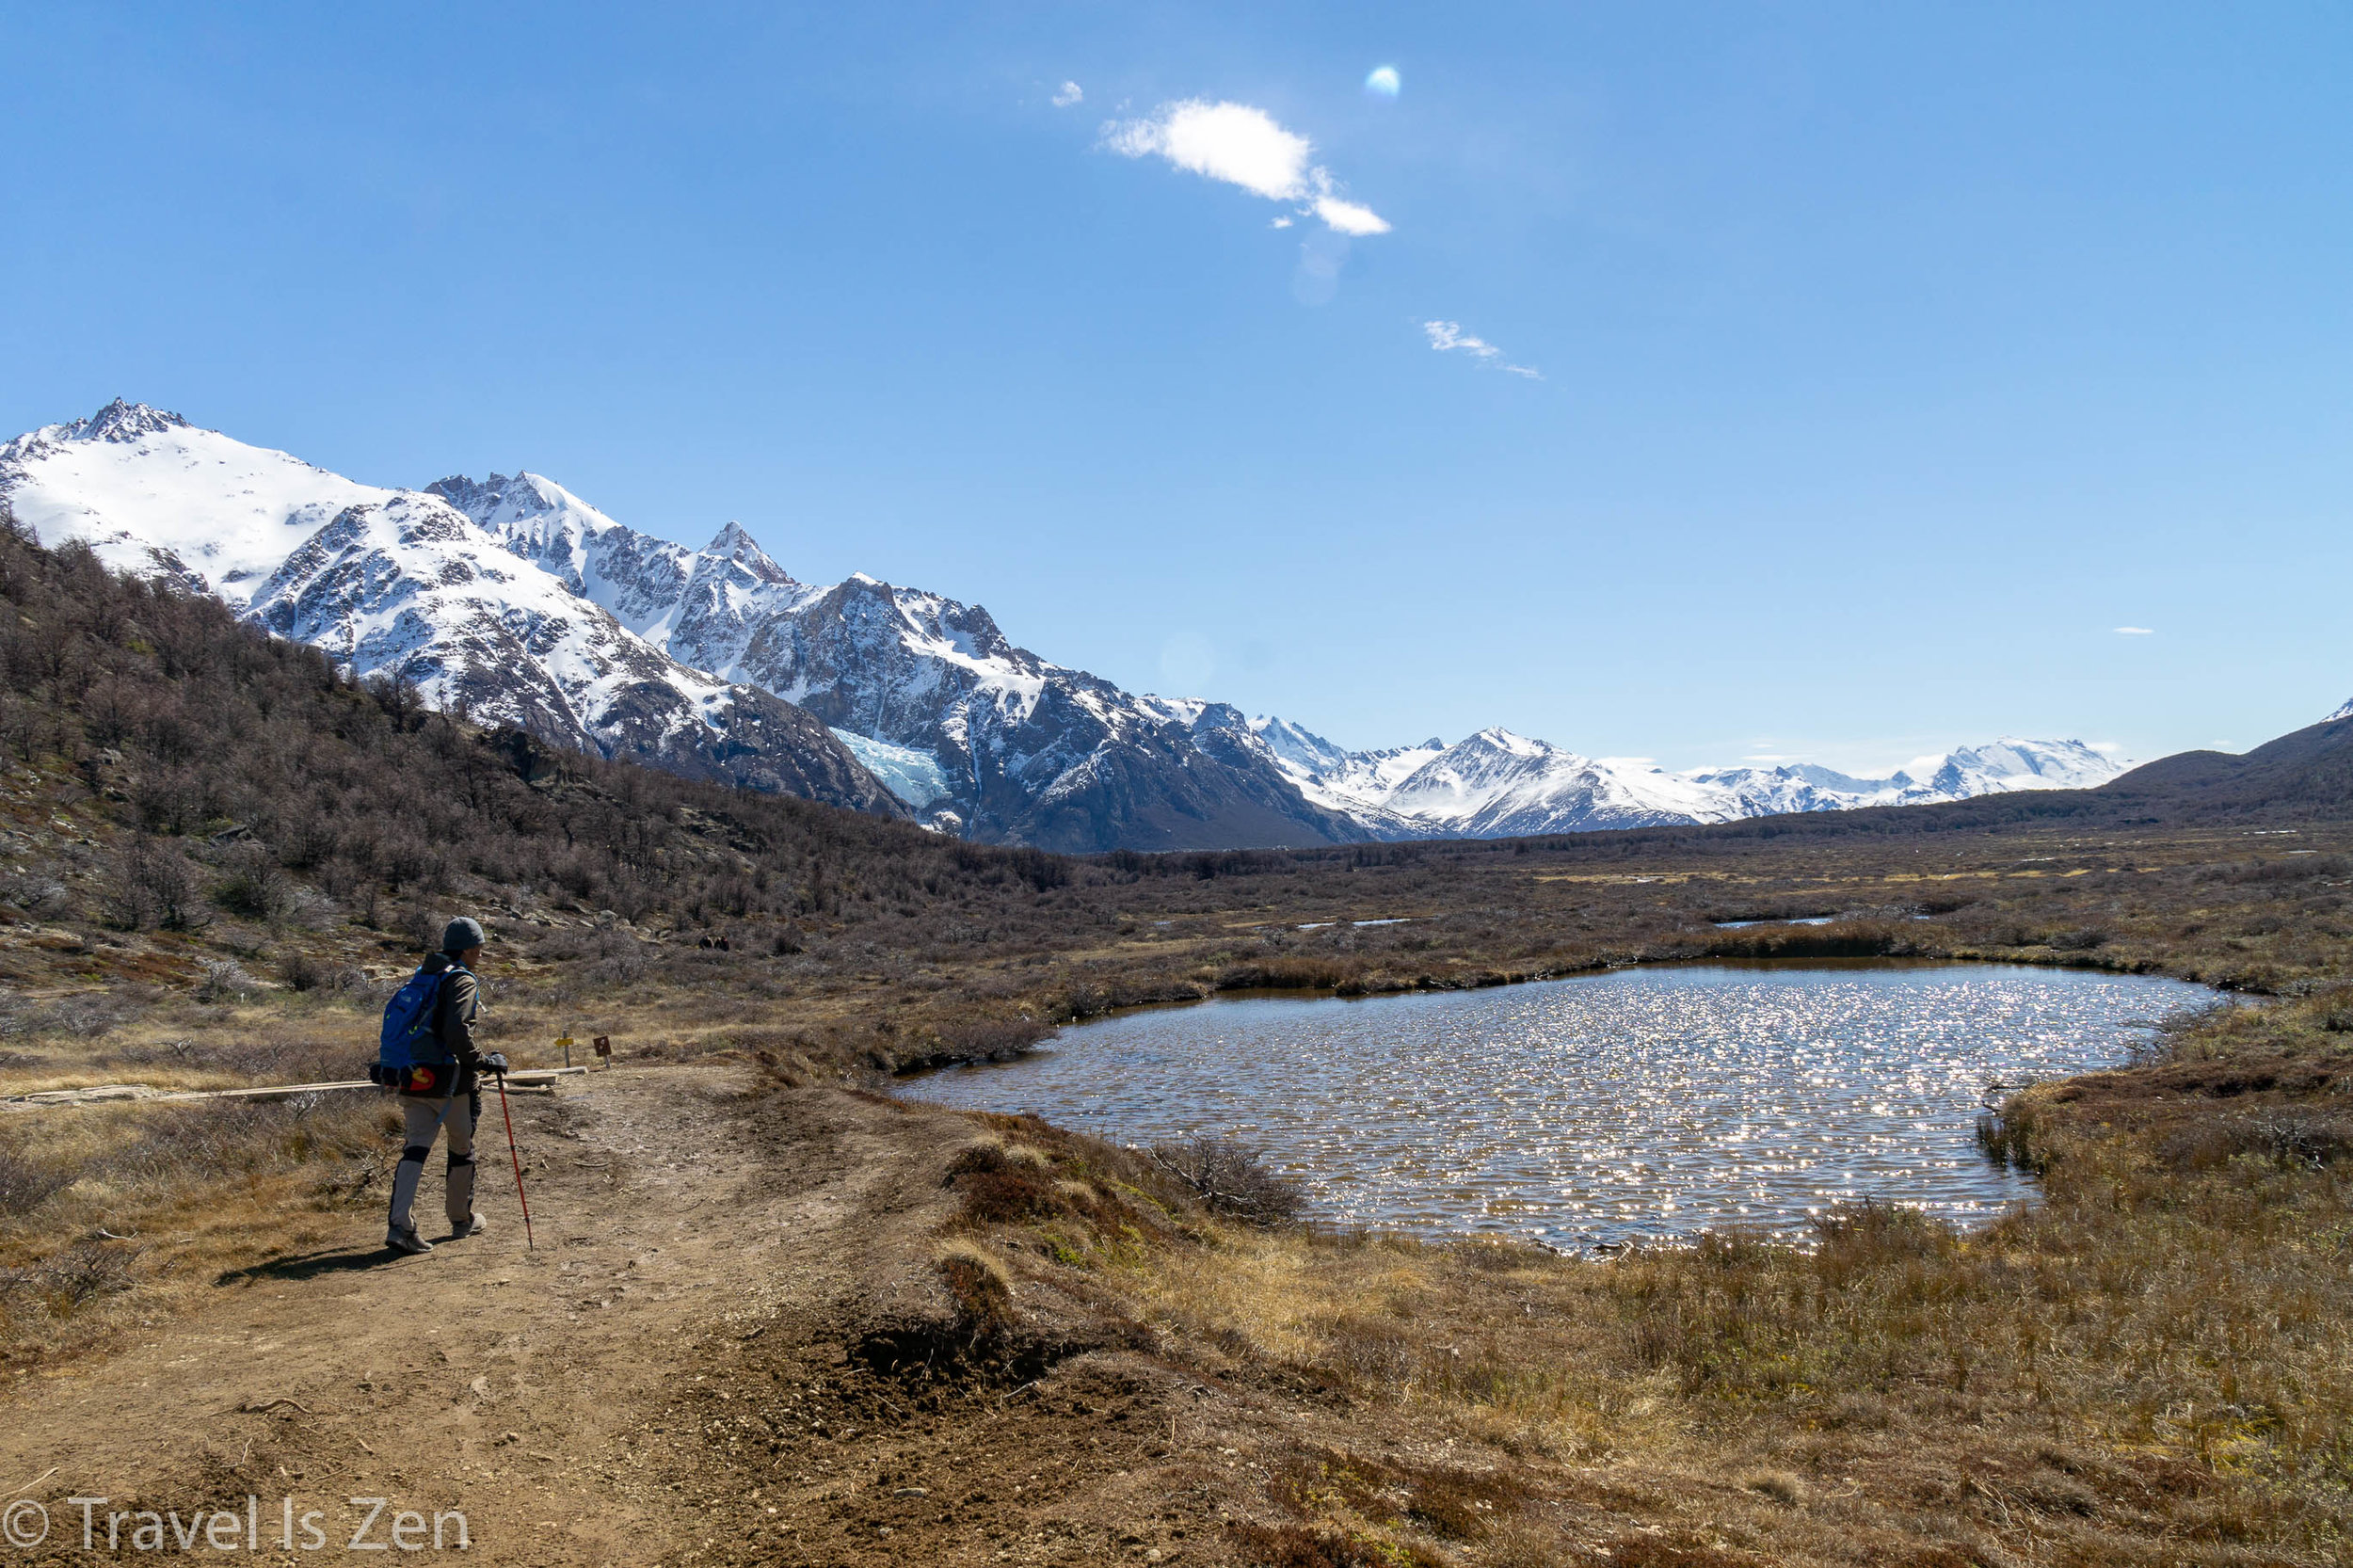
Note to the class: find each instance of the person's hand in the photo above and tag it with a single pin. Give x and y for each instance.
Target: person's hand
(496, 1062)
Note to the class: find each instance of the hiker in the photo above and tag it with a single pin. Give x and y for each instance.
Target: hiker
(446, 1096)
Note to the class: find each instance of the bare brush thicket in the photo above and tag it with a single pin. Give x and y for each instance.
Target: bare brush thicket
(237, 763)
(1229, 1179)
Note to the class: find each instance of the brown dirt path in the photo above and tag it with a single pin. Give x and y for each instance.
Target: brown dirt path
(732, 1345)
(483, 1378)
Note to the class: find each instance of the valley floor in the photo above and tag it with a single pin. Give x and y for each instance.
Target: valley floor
(776, 1317)
(779, 1322)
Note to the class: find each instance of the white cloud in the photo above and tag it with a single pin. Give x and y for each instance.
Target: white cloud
(1069, 93)
(1350, 218)
(1346, 218)
(2104, 746)
(2135, 632)
(1447, 337)
(1243, 145)
(1232, 142)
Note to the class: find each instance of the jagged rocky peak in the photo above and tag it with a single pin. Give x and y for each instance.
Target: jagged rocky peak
(1500, 742)
(523, 495)
(967, 630)
(121, 421)
(735, 543)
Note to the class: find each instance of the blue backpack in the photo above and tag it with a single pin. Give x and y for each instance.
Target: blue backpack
(409, 1056)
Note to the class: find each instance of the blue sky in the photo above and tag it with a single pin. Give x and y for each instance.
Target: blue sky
(1886, 359)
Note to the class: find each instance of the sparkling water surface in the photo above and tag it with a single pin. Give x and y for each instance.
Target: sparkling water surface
(1648, 1102)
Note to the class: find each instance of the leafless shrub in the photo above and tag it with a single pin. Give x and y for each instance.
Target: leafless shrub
(153, 885)
(1231, 1179)
(2300, 1136)
(175, 1143)
(25, 1185)
(89, 1016)
(79, 1274)
(2083, 939)
(225, 981)
(423, 928)
(2169, 1035)
(996, 1039)
(256, 886)
(302, 972)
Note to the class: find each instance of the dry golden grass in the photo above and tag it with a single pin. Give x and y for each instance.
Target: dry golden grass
(117, 1216)
(2154, 1364)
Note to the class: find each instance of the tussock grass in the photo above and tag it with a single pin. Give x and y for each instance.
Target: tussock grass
(2154, 1363)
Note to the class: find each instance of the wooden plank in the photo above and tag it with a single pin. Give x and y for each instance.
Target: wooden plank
(521, 1078)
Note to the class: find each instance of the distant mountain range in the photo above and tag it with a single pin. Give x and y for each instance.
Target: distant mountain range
(1496, 784)
(518, 602)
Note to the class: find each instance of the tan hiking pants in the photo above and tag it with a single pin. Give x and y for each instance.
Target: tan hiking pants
(425, 1118)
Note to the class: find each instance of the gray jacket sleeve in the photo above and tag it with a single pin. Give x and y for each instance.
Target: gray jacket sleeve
(453, 1020)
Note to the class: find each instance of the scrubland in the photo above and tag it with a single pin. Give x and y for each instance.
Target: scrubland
(216, 856)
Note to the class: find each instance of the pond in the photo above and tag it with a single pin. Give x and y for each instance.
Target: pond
(1650, 1102)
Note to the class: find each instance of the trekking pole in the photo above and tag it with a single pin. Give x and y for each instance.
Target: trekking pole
(508, 1117)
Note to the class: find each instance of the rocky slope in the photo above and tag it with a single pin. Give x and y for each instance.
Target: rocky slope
(401, 583)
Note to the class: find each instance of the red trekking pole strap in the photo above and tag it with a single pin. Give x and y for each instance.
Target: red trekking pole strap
(507, 1117)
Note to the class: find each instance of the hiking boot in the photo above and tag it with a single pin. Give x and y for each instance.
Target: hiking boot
(407, 1240)
(475, 1225)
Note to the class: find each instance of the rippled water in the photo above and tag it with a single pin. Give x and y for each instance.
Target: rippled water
(1643, 1102)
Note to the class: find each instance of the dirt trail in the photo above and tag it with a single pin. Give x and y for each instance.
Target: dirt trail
(484, 1378)
(731, 1344)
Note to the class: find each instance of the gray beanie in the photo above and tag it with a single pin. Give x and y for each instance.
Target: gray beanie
(462, 933)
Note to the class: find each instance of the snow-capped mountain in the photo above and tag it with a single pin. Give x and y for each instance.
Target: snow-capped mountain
(1496, 784)
(523, 603)
(980, 737)
(401, 582)
(2343, 713)
(700, 606)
